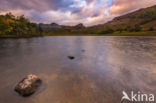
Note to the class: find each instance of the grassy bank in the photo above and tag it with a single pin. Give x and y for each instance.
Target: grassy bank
(15, 36)
(147, 33)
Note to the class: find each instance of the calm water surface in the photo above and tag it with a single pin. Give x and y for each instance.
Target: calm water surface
(103, 67)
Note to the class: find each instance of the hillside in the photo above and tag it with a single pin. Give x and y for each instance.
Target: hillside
(140, 20)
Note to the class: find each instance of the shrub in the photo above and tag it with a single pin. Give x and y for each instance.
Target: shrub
(151, 29)
(120, 30)
(136, 28)
(107, 31)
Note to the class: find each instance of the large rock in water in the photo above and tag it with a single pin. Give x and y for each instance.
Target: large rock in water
(28, 85)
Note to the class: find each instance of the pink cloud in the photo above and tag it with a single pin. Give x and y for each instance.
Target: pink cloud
(124, 6)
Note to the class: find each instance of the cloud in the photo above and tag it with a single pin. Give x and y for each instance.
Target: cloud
(124, 6)
(72, 12)
(38, 5)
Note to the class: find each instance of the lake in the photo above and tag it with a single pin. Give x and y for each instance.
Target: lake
(103, 67)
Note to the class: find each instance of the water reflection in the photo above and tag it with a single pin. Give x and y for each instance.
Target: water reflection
(107, 66)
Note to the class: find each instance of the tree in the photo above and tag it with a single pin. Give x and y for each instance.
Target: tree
(10, 16)
(4, 27)
(151, 29)
(106, 31)
(18, 26)
(120, 30)
(23, 19)
(137, 28)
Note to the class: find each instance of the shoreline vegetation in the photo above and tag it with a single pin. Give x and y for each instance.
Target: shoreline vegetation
(143, 33)
(11, 26)
(147, 33)
(139, 23)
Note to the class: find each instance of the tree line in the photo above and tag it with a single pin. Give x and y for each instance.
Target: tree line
(18, 26)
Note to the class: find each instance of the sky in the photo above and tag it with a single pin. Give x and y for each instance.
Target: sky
(72, 12)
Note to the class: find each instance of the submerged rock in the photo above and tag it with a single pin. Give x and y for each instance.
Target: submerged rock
(71, 57)
(28, 85)
(83, 50)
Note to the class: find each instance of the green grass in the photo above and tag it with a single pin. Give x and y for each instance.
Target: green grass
(145, 33)
(15, 36)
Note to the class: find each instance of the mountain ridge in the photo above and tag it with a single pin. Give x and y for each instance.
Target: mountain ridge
(143, 19)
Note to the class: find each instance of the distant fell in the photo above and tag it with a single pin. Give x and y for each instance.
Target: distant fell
(141, 20)
(144, 18)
